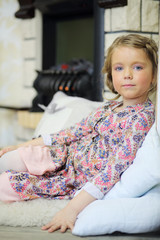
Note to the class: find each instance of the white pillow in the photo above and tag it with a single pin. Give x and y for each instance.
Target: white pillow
(127, 215)
(120, 210)
(64, 111)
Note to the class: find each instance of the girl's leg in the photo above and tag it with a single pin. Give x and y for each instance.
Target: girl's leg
(7, 194)
(12, 161)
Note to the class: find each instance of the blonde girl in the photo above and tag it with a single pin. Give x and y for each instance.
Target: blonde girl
(92, 155)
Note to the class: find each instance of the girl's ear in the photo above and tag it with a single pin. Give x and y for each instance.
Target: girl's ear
(153, 84)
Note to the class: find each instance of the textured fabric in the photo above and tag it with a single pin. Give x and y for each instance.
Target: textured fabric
(97, 150)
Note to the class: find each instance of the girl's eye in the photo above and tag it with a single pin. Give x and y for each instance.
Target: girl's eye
(138, 67)
(118, 68)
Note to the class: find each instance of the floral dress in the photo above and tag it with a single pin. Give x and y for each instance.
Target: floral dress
(96, 150)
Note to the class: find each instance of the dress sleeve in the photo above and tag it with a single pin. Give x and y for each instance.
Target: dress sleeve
(74, 133)
(123, 150)
(93, 190)
(46, 139)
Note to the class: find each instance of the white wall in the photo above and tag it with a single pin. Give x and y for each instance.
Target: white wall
(20, 56)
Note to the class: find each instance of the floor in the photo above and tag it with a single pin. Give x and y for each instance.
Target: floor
(35, 233)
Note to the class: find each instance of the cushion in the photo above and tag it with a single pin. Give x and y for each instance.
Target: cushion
(127, 215)
(127, 208)
(64, 111)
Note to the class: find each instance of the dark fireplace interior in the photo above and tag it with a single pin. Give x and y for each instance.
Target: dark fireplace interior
(68, 31)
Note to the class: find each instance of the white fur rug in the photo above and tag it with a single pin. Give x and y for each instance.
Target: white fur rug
(29, 213)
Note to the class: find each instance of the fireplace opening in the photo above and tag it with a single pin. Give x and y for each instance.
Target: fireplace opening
(68, 30)
(74, 39)
(67, 38)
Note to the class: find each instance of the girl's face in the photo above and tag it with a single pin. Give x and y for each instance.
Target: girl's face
(132, 74)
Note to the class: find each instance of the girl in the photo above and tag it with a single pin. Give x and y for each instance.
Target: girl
(93, 154)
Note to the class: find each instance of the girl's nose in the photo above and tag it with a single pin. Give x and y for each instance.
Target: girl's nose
(128, 75)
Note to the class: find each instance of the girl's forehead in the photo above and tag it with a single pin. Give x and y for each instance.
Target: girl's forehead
(130, 52)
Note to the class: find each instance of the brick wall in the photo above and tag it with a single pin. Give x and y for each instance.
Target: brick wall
(140, 16)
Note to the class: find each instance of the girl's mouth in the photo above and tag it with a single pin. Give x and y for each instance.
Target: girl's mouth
(128, 85)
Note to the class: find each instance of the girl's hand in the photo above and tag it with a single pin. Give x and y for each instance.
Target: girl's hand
(66, 218)
(63, 220)
(7, 149)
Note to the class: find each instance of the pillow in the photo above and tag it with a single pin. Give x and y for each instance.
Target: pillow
(64, 111)
(127, 215)
(120, 210)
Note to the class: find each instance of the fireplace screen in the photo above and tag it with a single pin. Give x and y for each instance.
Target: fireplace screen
(74, 78)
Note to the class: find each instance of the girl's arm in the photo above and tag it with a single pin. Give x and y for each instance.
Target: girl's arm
(71, 134)
(34, 142)
(78, 130)
(66, 218)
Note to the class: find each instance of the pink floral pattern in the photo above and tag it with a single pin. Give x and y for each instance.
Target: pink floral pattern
(97, 150)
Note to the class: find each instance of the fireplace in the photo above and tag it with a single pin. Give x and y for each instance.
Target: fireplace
(72, 31)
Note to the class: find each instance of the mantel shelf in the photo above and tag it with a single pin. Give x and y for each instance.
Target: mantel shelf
(13, 108)
(29, 119)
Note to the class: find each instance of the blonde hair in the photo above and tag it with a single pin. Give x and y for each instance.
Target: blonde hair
(137, 41)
